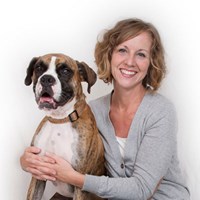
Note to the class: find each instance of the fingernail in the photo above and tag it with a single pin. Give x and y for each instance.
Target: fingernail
(26, 169)
(47, 153)
(53, 179)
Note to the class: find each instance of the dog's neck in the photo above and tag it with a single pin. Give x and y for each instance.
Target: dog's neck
(64, 111)
(72, 117)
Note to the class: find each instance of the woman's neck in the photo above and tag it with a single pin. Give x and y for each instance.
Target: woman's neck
(124, 105)
(127, 99)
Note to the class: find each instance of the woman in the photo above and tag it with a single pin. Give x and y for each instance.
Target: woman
(138, 125)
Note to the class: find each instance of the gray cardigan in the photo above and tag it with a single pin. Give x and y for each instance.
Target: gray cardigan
(150, 154)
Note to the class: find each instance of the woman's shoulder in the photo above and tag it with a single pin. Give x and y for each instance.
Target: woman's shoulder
(158, 100)
(100, 104)
(157, 104)
(103, 100)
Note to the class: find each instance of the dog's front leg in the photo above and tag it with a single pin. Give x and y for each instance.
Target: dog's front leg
(82, 195)
(36, 189)
(60, 197)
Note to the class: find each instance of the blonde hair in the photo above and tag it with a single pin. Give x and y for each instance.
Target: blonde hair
(123, 31)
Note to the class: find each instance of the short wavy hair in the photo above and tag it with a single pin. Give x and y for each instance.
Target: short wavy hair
(123, 31)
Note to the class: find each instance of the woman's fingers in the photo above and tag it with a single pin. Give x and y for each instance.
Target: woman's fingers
(34, 171)
(48, 159)
(30, 153)
(42, 173)
(46, 170)
(35, 160)
(52, 156)
(44, 178)
(32, 149)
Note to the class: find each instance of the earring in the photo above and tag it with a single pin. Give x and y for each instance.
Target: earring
(149, 86)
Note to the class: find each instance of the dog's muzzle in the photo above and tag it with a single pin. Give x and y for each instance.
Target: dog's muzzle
(45, 98)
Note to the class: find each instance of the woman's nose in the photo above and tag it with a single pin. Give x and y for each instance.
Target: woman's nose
(130, 60)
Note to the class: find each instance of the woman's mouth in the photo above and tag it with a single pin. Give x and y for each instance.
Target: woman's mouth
(127, 73)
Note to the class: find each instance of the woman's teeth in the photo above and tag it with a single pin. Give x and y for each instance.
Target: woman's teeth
(127, 72)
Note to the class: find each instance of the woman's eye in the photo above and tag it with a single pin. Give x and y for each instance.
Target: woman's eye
(142, 55)
(122, 50)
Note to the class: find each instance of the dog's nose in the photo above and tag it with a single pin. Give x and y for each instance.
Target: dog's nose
(47, 80)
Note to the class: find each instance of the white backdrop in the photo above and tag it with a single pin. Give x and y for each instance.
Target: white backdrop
(33, 28)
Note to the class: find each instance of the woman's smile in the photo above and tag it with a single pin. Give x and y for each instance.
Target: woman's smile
(127, 73)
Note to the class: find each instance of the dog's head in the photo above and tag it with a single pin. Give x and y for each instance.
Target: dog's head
(57, 79)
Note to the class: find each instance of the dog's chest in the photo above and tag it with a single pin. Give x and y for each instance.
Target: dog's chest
(60, 139)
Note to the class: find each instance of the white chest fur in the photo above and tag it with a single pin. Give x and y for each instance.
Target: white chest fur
(60, 139)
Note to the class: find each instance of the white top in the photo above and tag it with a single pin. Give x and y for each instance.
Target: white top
(121, 142)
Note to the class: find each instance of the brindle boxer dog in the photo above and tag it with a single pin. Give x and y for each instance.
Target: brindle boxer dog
(69, 128)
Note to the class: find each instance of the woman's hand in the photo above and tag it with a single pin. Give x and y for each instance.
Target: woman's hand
(37, 165)
(64, 171)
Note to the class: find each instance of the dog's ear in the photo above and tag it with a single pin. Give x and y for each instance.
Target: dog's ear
(29, 72)
(87, 74)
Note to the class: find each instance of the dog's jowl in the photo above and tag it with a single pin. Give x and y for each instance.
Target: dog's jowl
(68, 128)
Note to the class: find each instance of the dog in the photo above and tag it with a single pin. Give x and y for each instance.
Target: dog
(69, 128)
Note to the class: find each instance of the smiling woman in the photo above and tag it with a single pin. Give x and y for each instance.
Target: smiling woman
(131, 56)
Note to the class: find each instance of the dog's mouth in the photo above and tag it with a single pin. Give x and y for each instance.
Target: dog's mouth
(46, 100)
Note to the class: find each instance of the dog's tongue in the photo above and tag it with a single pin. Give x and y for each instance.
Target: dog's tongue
(46, 99)
(46, 102)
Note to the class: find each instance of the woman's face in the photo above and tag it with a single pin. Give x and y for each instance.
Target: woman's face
(130, 61)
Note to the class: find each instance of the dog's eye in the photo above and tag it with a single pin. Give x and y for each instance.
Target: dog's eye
(39, 68)
(64, 69)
